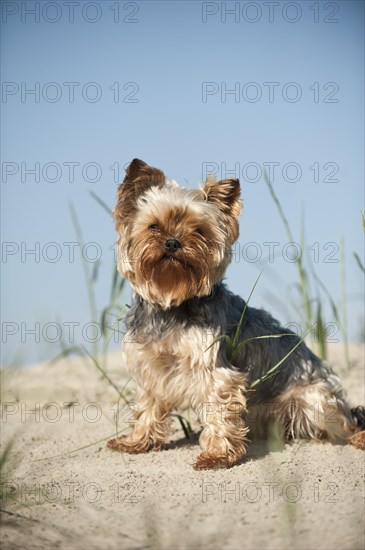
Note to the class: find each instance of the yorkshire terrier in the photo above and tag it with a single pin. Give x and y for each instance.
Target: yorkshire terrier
(174, 247)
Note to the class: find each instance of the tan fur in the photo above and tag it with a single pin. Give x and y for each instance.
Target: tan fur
(226, 195)
(358, 440)
(306, 412)
(178, 374)
(139, 177)
(180, 365)
(204, 228)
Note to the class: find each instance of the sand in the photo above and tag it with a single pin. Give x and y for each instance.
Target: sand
(303, 495)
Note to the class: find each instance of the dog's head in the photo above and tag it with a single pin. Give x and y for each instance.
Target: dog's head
(174, 243)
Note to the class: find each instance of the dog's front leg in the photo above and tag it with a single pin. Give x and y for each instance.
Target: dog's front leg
(224, 435)
(150, 426)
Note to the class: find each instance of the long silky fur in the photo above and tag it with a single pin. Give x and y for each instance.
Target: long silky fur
(176, 345)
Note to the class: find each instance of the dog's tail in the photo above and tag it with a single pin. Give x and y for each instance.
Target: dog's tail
(358, 414)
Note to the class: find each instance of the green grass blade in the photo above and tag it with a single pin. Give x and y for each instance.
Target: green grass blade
(101, 202)
(104, 373)
(359, 262)
(272, 371)
(4, 457)
(185, 425)
(265, 337)
(114, 288)
(304, 281)
(218, 339)
(78, 449)
(329, 297)
(95, 271)
(321, 333)
(66, 352)
(87, 276)
(344, 303)
(279, 207)
(236, 336)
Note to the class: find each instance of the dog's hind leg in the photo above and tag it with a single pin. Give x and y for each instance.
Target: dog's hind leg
(313, 411)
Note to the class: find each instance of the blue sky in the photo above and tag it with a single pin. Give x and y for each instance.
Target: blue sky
(134, 83)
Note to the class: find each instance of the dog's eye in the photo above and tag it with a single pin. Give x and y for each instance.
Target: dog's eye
(154, 227)
(199, 231)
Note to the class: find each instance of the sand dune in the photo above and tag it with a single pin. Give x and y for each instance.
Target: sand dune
(301, 495)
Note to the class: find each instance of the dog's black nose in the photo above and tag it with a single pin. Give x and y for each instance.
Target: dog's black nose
(172, 245)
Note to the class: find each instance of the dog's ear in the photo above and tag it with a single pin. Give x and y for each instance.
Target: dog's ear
(226, 195)
(138, 179)
(139, 171)
(134, 169)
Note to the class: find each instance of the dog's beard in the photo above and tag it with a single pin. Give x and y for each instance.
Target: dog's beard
(170, 279)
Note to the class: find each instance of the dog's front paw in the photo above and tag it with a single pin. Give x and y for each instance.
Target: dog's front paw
(210, 461)
(358, 440)
(126, 444)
